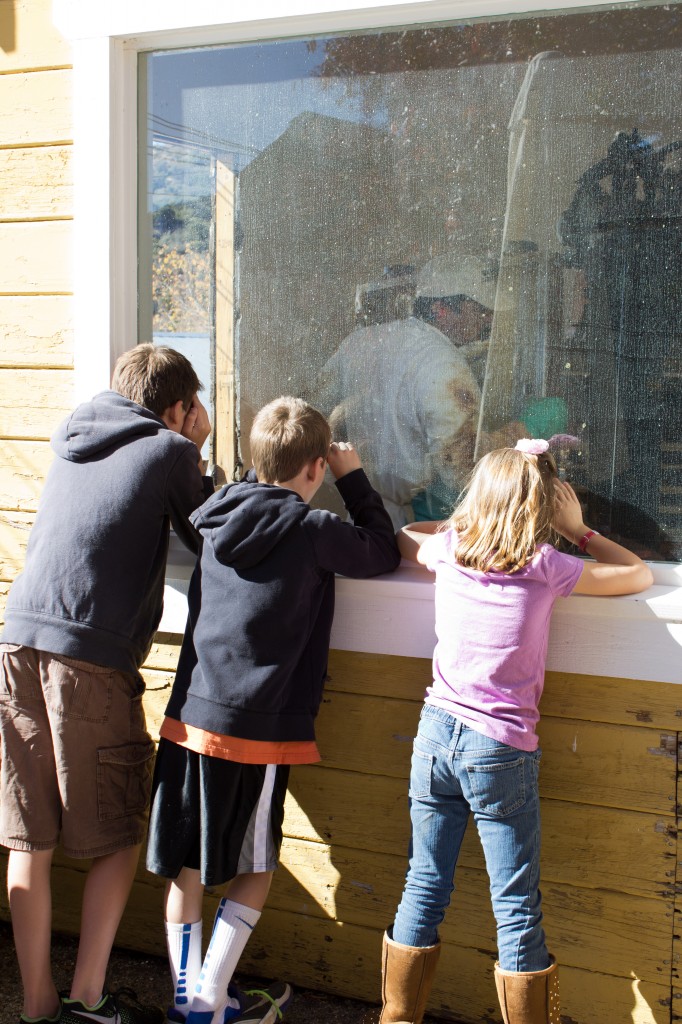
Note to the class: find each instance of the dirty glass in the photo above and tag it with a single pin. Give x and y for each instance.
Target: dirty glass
(445, 237)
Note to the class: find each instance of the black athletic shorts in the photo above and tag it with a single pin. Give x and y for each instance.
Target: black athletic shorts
(220, 817)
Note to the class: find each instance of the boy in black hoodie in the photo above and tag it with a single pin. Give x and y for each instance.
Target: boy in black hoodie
(76, 755)
(247, 690)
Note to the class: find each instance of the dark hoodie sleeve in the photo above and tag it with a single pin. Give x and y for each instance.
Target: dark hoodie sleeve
(365, 547)
(187, 490)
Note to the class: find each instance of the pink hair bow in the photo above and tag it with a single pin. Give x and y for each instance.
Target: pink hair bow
(532, 445)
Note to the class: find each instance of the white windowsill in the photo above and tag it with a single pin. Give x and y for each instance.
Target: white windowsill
(633, 637)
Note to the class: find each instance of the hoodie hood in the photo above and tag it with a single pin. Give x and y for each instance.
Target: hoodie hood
(108, 420)
(243, 522)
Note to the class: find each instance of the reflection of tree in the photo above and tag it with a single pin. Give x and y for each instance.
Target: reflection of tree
(181, 265)
(447, 112)
(503, 41)
(181, 289)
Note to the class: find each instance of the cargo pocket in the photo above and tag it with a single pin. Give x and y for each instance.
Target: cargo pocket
(124, 777)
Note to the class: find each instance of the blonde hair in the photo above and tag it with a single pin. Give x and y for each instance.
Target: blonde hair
(286, 434)
(507, 510)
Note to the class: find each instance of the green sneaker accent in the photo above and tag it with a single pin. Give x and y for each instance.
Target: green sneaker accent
(120, 1007)
(41, 1020)
(266, 997)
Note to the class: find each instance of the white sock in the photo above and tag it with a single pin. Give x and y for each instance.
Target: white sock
(184, 955)
(231, 931)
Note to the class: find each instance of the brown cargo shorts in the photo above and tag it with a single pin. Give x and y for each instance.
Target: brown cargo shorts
(75, 754)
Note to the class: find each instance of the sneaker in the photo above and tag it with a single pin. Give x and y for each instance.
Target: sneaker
(261, 1005)
(256, 1006)
(120, 1007)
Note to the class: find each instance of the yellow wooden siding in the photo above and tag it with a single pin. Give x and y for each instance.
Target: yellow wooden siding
(14, 531)
(608, 784)
(28, 38)
(23, 465)
(41, 256)
(36, 331)
(32, 402)
(35, 108)
(36, 203)
(36, 183)
(609, 913)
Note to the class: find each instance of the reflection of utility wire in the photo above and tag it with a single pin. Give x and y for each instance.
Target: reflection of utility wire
(193, 135)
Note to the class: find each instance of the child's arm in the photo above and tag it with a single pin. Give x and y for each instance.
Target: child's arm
(410, 538)
(616, 570)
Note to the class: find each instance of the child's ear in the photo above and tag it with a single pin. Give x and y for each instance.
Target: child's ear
(316, 468)
(174, 416)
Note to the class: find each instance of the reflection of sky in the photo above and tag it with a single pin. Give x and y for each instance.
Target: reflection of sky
(235, 101)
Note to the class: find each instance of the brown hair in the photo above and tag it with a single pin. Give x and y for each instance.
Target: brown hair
(507, 510)
(156, 377)
(286, 434)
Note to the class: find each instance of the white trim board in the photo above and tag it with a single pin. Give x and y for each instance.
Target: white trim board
(208, 21)
(634, 637)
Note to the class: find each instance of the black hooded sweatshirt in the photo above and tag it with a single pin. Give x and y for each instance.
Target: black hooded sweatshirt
(92, 585)
(261, 602)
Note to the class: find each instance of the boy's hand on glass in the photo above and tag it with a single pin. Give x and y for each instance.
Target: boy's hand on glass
(197, 425)
(342, 458)
(568, 514)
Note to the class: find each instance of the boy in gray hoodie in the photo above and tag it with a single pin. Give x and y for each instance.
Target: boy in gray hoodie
(76, 756)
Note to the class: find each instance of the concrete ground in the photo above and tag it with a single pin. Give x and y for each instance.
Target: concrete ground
(148, 977)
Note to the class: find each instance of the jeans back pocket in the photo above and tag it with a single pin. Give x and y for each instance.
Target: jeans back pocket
(498, 788)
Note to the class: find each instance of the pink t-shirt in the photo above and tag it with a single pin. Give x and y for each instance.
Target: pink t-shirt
(492, 629)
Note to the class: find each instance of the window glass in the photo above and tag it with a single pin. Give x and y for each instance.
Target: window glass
(446, 238)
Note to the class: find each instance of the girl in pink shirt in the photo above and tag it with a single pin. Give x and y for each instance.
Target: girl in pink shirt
(476, 751)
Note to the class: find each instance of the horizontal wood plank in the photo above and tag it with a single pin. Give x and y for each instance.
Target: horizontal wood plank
(23, 466)
(566, 695)
(583, 925)
(28, 37)
(584, 846)
(41, 256)
(33, 402)
(618, 701)
(14, 530)
(373, 735)
(37, 330)
(36, 183)
(36, 108)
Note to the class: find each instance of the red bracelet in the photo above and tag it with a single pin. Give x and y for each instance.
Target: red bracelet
(585, 540)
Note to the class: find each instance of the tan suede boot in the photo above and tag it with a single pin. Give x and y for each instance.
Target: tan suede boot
(406, 976)
(529, 998)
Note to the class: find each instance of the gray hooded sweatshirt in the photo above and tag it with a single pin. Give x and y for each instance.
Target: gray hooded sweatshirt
(92, 585)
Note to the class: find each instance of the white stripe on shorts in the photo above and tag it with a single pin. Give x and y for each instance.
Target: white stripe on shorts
(257, 853)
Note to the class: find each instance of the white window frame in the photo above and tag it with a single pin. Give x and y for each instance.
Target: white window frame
(637, 637)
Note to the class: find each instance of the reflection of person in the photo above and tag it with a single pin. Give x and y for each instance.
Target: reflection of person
(248, 687)
(76, 755)
(457, 294)
(405, 394)
(497, 577)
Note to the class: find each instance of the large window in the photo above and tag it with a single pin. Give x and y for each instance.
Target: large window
(446, 238)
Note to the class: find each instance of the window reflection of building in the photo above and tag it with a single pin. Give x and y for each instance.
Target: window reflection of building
(391, 148)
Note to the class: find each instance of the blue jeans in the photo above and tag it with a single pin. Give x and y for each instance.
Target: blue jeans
(455, 770)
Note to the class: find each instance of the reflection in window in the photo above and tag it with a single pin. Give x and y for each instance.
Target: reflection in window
(446, 238)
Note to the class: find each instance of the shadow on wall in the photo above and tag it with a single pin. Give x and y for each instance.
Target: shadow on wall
(8, 37)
